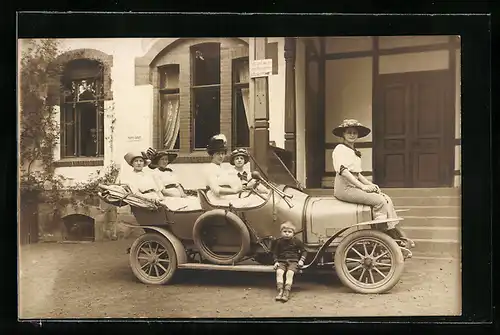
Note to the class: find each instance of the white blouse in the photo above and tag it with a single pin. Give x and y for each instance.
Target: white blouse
(223, 176)
(141, 182)
(235, 174)
(342, 155)
(166, 177)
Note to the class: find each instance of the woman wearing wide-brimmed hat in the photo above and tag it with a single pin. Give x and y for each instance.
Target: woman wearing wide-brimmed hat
(220, 181)
(165, 176)
(350, 184)
(240, 157)
(141, 182)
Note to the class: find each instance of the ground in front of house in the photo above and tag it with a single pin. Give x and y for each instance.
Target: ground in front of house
(94, 280)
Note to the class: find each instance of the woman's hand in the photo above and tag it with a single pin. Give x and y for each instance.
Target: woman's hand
(276, 265)
(367, 188)
(376, 188)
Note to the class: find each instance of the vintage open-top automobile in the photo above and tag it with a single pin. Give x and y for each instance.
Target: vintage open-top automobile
(367, 256)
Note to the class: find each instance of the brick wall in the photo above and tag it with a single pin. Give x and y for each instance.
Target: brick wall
(57, 67)
(52, 229)
(178, 52)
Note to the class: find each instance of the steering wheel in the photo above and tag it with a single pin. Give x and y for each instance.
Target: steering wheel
(250, 190)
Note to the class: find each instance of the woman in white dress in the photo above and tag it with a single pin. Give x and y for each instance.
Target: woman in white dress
(350, 184)
(141, 182)
(220, 182)
(165, 176)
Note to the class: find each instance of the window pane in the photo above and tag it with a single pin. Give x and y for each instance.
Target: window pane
(206, 115)
(240, 70)
(272, 53)
(206, 64)
(101, 129)
(69, 131)
(240, 118)
(82, 68)
(170, 120)
(169, 76)
(83, 115)
(88, 129)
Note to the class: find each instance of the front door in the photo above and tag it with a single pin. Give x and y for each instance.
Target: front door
(413, 123)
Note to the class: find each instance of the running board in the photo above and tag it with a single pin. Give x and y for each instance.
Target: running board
(238, 267)
(241, 268)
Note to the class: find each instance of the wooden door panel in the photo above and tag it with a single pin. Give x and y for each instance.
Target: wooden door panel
(428, 118)
(391, 168)
(394, 169)
(410, 129)
(426, 169)
(395, 102)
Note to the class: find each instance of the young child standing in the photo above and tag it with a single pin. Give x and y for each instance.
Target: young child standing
(289, 255)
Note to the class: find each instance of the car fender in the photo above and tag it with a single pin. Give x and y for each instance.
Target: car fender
(176, 243)
(337, 234)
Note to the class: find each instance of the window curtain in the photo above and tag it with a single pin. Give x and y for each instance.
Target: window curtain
(243, 75)
(171, 119)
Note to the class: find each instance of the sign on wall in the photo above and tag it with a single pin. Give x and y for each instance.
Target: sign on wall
(134, 138)
(261, 68)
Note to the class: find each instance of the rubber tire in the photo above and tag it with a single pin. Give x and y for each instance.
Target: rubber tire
(134, 263)
(236, 222)
(391, 245)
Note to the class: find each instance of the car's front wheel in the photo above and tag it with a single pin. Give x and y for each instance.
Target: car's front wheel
(153, 259)
(369, 261)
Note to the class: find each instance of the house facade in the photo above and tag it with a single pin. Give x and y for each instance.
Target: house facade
(116, 95)
(405, 88)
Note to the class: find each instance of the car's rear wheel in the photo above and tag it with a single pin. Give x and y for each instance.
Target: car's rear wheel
(153, 259)
(369, 261)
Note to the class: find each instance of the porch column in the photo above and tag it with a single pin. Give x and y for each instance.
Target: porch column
(290, 113)
(260, 141)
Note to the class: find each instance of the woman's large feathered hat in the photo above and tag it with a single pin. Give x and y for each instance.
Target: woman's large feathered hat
(351, 123)
(155, 156)
(130, 156)
(217, 143)
(242, 152)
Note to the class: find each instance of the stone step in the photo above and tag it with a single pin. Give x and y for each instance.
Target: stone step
(426, 201)
(439, 233)
(423, 192)
(437, 248)
(431, 211)
(430, 221)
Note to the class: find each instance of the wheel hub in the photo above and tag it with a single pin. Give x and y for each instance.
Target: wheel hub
(368, 262)
(153, 259)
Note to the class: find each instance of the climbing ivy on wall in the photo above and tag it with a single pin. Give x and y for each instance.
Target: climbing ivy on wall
(39, 133)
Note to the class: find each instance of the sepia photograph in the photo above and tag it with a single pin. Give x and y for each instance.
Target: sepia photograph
(239, 177)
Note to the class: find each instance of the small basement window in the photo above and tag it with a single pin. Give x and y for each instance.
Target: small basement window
(79, 228)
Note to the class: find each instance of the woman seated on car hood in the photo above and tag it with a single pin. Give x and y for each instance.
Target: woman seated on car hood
(350, 185)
